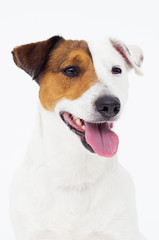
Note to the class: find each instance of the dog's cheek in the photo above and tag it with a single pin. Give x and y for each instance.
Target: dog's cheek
(52, 89)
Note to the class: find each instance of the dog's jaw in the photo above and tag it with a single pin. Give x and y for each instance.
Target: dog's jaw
(77, 126)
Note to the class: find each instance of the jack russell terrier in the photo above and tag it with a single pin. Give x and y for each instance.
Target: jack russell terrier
(71, 185)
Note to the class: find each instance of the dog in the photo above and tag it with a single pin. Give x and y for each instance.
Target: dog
(71, 185)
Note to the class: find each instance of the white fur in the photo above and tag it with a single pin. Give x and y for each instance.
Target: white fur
(64, 192)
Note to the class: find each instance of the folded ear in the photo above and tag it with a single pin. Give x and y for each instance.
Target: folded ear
(132, 54)
(32, 57)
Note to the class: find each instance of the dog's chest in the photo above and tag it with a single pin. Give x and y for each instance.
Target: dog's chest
(75, 208)
(79, 208)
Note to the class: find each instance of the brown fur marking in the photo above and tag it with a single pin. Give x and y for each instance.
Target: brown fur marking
(54, 85)
(32, 57)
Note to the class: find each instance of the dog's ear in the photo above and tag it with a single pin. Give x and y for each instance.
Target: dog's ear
(32, 57)
(132, 54)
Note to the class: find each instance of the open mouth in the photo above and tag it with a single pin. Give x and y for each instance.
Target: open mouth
(96, 137)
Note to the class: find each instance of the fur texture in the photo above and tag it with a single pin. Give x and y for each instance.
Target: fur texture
(63, 191)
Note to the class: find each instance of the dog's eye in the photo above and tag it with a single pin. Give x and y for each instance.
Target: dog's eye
(116, 70)
(72, 71)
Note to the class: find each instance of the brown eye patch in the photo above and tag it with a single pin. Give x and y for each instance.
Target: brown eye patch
(55, 85)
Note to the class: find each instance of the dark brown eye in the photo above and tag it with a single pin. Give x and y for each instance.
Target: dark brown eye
(116, 70)
(72, 71)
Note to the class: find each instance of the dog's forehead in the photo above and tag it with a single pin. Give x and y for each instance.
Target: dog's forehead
(99, 49)
(66, 47)
(99, 52)
(103, 54)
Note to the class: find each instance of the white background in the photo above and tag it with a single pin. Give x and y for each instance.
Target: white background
(131, 21)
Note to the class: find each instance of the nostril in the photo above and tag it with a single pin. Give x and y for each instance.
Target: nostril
(116, 109)
(105, 109)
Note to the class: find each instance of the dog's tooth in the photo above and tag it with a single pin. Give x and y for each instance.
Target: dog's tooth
(75, 118)
(78, 122)
(83, 127)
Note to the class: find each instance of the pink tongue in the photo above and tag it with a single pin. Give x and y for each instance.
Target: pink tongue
(103, 141)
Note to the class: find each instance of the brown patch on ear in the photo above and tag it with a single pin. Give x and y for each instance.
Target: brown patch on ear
(32, 57)
(54, 85)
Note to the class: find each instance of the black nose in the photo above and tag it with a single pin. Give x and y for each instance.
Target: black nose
(108, 106)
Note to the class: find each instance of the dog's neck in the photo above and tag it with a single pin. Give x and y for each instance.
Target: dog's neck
(55, 146)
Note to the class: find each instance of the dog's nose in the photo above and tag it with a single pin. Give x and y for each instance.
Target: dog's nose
(108, 106)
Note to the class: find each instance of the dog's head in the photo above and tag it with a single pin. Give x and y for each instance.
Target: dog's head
(85, 83)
